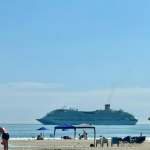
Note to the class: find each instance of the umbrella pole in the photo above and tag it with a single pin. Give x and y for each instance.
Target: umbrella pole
(94, 137)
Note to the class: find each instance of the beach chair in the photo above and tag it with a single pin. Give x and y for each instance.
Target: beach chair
(98, 142)
(140, 139)
(104, 141)
(128, 140)
(133, 140)
(82, 136)
(114, 140)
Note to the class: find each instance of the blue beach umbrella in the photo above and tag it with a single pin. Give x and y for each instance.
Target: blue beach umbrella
(43, 128)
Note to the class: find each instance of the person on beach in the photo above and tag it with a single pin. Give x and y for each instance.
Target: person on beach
(79, 137)
(85, 134)
(39, 137)
(5, 137)
(68, 137)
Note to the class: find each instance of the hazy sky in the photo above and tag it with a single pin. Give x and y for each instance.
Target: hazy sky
(76, 53)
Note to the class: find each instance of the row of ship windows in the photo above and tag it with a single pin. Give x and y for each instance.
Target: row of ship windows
(89, 119)
(103, 115)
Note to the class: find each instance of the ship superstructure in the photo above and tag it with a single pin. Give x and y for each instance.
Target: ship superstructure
(97, 117)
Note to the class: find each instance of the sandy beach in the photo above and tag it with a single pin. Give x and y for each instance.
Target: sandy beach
(67, 145)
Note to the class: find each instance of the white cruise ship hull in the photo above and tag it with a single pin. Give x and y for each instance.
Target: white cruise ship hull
(45, 122)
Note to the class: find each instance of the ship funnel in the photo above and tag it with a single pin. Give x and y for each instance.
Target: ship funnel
(107, 106)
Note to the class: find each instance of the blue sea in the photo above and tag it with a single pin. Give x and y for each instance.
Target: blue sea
(28, 131)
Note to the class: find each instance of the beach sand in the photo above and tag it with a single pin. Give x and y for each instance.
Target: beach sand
(68, 145)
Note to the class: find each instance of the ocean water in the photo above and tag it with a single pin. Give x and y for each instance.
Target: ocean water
(27, 131)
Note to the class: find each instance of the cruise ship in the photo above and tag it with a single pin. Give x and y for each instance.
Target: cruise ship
(97, 117)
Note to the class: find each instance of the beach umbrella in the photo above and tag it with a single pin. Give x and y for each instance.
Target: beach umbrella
(43, 128)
